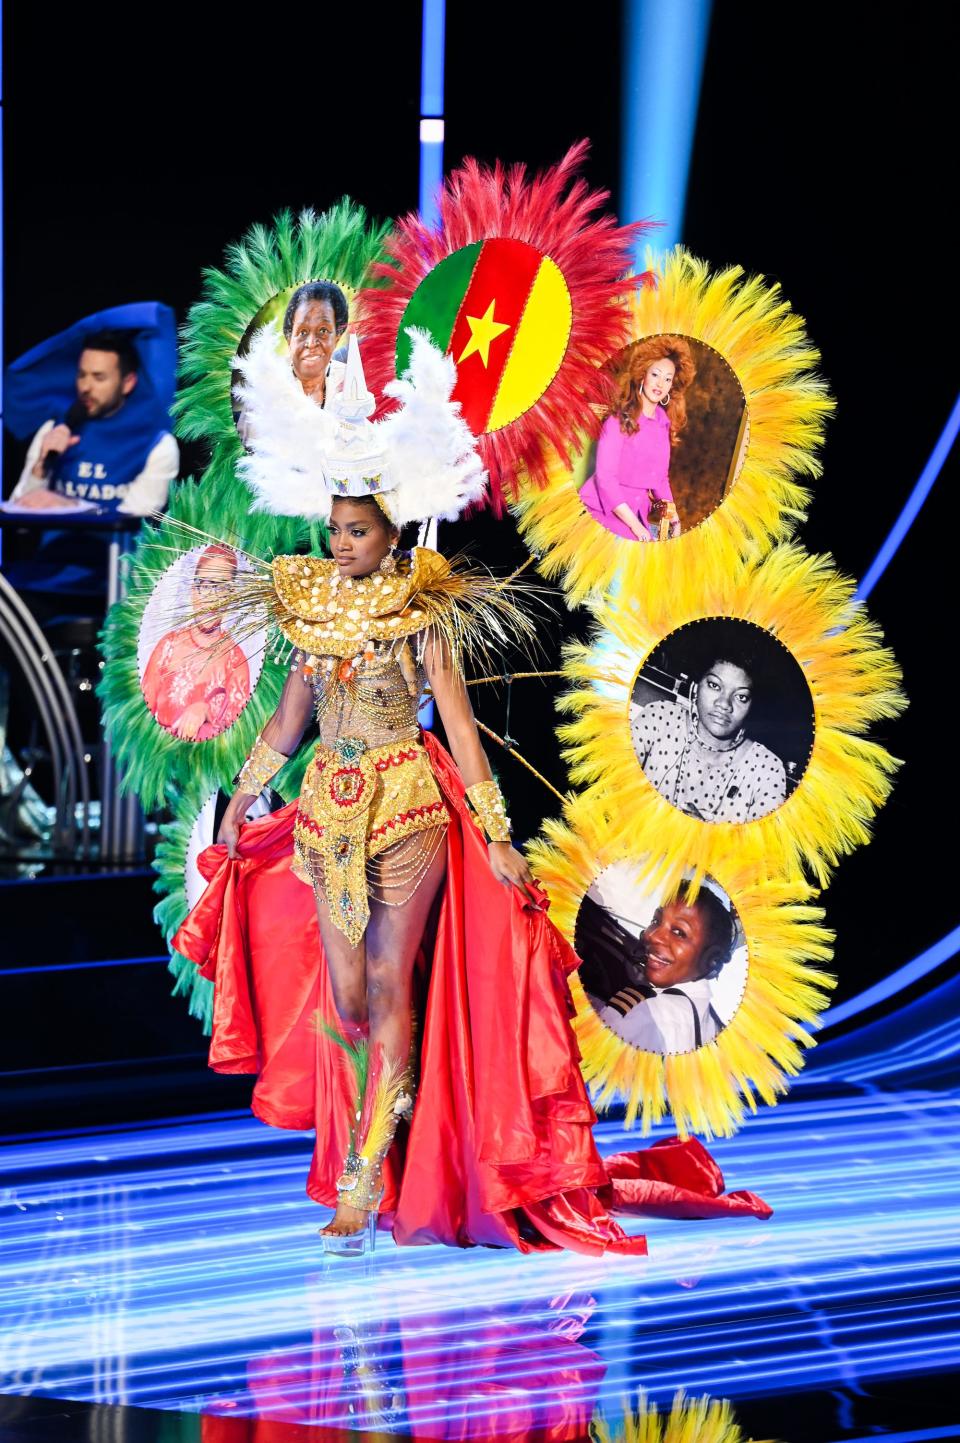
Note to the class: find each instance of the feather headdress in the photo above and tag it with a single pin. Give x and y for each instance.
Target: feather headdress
(419, 462)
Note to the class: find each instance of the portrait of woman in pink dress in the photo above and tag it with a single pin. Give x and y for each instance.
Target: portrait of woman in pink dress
(629, 492)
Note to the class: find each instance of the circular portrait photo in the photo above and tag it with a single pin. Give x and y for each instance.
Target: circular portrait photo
(310, 321)
(722, 720)
(666, 973)
(673, 443)
(195, 674)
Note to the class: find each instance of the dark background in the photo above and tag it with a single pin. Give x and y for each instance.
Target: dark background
(138, 143)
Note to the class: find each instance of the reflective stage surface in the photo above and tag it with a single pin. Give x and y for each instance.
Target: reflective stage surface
(177, 1268)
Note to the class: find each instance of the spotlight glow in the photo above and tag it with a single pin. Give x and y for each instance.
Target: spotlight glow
(663, 53)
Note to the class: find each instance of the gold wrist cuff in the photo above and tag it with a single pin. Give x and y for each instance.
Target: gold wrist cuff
(261, 765)
(486, 799)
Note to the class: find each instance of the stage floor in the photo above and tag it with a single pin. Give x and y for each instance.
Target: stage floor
(177, 1268)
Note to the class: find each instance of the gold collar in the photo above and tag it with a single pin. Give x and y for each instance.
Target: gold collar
(323, 612)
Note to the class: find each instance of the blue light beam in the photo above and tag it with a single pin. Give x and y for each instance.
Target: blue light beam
(663, 53)
(934, 956)
(431, 57)
(915, 500)
(431, 108)
(178, 1268)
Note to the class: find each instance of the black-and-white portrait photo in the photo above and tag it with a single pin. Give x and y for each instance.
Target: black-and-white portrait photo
(722, 720)
(665, 972)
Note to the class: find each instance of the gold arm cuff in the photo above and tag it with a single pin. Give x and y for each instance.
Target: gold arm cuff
(261, 765)
(486, 799)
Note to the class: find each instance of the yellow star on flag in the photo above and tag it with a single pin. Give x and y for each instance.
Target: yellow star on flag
(483, 330)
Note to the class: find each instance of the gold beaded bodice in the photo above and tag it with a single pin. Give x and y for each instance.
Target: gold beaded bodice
(373, 696)
(370, 817)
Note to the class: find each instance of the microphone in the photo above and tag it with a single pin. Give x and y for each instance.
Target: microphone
(72, 420)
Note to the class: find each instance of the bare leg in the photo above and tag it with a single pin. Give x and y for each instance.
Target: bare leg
(347, 966)
(393, 940)
(374, 980)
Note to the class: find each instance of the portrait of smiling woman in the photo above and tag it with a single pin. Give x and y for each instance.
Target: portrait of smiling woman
(315, 319)
(685, 944)
(665, 971)
(629, 492)
(314, 323)
(196, 678)
(721, 720)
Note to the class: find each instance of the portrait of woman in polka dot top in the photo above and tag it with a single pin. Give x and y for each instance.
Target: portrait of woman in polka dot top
(696, 744)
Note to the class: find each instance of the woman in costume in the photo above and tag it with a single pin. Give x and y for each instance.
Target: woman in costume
(370, 828)
(629, 492)
(392, 877)
(700, 757)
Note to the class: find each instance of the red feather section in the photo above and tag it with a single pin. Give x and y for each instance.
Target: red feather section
(557, 213)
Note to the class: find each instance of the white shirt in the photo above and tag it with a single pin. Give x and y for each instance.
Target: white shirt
(147, 491)
(664, 1023)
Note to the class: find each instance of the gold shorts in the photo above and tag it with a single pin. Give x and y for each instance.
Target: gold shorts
(355, 803)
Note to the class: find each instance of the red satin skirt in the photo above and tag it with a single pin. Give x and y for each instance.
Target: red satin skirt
(500, 1150)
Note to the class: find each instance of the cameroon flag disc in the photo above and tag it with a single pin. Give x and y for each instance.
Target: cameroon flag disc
(502, 310)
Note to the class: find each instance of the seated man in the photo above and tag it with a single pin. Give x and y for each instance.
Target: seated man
(685, 944)
(103, 450)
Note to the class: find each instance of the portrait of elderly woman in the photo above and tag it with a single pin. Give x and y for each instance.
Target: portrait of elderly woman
(314, 322)
(629, 492)
(721, 721)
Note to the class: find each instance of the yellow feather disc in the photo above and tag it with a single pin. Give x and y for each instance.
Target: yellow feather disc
(737, 329)
(789, 600)
(707, 1089)
(690, 1420)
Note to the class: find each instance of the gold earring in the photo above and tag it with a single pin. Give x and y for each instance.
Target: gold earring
(389, 563)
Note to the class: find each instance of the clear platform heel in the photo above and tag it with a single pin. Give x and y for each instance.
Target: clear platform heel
(384, 1097)
(352, 1245)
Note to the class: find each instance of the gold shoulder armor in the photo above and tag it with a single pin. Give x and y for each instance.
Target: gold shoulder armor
(302, 584)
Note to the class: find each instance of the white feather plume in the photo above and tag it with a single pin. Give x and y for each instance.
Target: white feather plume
(289, 436)
(424, 452)
(434, 467)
